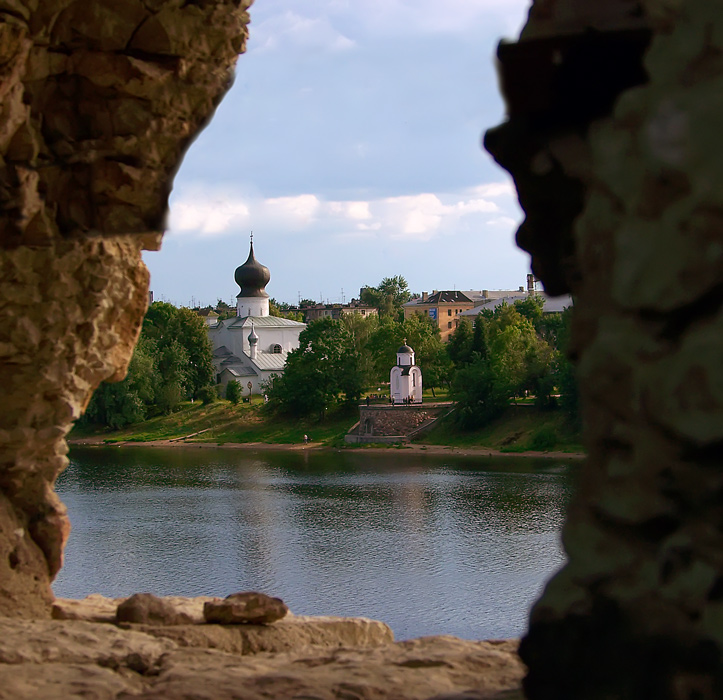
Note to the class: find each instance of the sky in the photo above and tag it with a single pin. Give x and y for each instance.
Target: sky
(350, 145)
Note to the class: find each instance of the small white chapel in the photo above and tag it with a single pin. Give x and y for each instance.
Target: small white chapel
(253, 346)
(405, 379)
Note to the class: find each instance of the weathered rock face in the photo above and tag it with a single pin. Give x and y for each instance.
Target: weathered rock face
(61, 659)
(637, 610)
(99, 101)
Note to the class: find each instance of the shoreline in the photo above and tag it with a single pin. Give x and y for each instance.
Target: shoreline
(319, 447)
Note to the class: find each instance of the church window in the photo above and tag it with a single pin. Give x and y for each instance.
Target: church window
(449, 325)
(414, 379)
(449, 312)
(363, 312)
(276, 349)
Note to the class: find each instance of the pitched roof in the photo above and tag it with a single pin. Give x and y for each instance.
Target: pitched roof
(270, 361)
(443, 297)
(240, 371)
(550, 304)
(265, 322)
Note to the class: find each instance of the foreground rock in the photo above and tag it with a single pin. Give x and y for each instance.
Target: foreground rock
(72, 658)
(145, 608)
(245, 608)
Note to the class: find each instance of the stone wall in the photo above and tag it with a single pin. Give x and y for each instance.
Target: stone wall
(614, 141)
(99, 101)
(383, 421)
(637, 612)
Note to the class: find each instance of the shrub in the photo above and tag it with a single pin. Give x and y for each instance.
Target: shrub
(543, 439)
(207, 394)
(233, 392)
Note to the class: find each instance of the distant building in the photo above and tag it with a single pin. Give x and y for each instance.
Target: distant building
(209, 316)
(405, 378)
(445, 308)
(442, 307)
(252, 346)
(550, 305)
(336, 311)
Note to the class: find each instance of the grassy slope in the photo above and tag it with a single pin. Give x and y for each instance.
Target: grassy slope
(224, 422)
(519, 430)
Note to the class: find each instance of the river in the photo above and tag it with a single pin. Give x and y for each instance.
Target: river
(428, 544)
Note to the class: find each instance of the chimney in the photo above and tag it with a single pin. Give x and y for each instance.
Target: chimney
(485, 294)
(425, 296)
(530, 284)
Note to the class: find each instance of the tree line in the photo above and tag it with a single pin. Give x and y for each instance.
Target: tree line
(172, 362)
(512, 351)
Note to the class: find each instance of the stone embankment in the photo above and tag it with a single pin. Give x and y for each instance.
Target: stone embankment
(391, 424)
(172, 653)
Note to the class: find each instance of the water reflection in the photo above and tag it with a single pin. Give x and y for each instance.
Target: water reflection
(430, 545)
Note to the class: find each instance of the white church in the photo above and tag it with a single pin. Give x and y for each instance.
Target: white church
(253, 346)
(405, 379)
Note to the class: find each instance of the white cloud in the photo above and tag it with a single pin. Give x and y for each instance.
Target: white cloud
(432, 16)
(494, 189)
(504, 221)
(298, 211)
(289, 29)
(417, 217)
(207, 216)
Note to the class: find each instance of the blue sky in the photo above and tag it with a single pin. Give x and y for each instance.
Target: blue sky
(350, 145)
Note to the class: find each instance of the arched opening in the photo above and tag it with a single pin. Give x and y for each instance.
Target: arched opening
(636, 352)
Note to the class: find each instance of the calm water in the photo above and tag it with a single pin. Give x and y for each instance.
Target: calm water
(430, 545)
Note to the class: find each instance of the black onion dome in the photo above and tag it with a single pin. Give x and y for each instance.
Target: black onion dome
(252, 277)
(405, 349)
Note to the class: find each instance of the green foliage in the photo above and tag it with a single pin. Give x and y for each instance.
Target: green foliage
(322, 371)
(459, 346)
(565, 375)
(543, 439)
(422, 334)
(511, 349)
(208, 394)
(388, 297)
(481, 396)
(233, 392)
(172, 361)
(281, 309)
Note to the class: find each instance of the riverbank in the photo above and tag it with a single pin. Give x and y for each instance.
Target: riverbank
(318, 446)
(522, 431)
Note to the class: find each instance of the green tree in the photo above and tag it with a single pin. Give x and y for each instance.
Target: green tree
(388, 297)
(118, 404)
(481, 395)
(233, 392)
(460, 344)
(565, 373)
(322, 371)
(186, 355)
(284, 310)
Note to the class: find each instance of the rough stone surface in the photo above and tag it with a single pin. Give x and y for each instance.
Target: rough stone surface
(396, 420)
(245, 608)
(97, 103)
(98, 608)
(148, 609)
(63, 659)
(291, 633)
(636, 612)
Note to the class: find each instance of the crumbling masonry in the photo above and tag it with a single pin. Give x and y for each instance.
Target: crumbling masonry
(616, 146)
